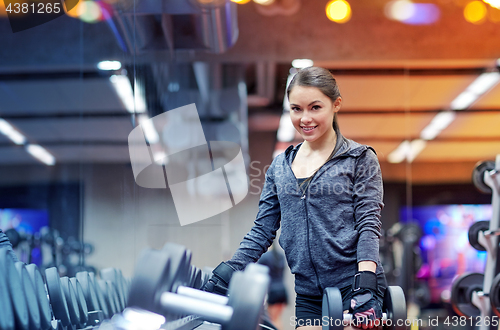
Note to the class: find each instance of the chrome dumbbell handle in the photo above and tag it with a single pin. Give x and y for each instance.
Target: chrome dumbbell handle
(209, 311)
(202, 295)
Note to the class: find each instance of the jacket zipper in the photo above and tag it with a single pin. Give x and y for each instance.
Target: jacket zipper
(304, 199)
(318, 285)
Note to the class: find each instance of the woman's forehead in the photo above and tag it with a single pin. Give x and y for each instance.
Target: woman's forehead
(306, 93)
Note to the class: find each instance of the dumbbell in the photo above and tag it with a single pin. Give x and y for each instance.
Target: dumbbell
(474, 229)
(82, 303)
(152, 290)
(30, 296)
(119, 285)
(14, 310)
(478, 175)
(394, 310)
(58, 299)
(495, 295)
(110, 296)
(462, 289)
(41, 296)
(195, 277)
(177, 278)
(95, 314)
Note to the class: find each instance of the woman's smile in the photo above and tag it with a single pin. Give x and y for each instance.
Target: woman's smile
(308, 129)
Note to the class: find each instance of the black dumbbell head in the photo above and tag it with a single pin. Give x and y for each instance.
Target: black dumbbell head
(57, 297)
(6, 312)
(30, 296)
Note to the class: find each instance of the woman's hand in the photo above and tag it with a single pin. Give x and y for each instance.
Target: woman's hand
(366, 309)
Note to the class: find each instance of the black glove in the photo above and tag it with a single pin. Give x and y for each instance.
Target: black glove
(219, 281)
(364, 304)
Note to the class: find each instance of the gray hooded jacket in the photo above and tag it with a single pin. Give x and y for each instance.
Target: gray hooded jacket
(328, 229)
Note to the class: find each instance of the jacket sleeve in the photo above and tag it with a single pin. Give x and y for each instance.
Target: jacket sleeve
(368, 195)
(267, 222)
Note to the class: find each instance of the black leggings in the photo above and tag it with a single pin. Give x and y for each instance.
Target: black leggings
(308, 309)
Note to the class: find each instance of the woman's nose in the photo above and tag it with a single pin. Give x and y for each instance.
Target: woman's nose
(306, 118)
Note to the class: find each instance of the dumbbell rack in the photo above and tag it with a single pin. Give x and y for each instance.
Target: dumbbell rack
(30, 300)
(489, 239)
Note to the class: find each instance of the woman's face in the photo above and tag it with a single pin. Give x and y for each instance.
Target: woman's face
(312, 112)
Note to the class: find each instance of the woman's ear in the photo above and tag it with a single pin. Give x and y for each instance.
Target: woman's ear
(337, 104)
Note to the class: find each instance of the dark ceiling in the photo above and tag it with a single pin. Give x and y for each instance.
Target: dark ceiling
(394, 77)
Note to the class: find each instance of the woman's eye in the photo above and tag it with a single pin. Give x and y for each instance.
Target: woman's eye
(316, 107)
(295, 109)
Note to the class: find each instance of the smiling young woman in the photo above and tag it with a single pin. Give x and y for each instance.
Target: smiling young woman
(330, 220)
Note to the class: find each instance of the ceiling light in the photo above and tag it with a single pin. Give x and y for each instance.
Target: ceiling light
(464, 100)
(416, 146)
(264, 2)
(400, 10)
(149, 130)
(41, 154)
(493, 3)
(301, 63)
(407, 150)
(10, 132)
(478, 87)
(438, 123)
(399, 154)
(484, 82)
(408, 12)
(338, 11)
(123, 88)
(109, 65)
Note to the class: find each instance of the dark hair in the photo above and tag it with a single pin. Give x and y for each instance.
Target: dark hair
(320, 78)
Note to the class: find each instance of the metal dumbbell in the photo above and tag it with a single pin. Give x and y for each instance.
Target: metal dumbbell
(153, 288)
(394, 310)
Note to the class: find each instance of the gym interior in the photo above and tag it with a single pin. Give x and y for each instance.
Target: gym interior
(101, 99)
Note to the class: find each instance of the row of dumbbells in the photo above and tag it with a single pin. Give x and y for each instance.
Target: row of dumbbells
(32, 300)
(166, 284)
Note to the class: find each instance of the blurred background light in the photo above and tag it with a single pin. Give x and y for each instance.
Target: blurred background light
(301, 63)
(10, 132)
(494, 15)
(478, 87)
(3, 13)
(493, 3)
(91, 12)
(475, 12)
(338, 11)
(241, 2)
(399, 10)
(109, 65)
(41, 154)
(75, 11)
(408, 12)
(264, 2)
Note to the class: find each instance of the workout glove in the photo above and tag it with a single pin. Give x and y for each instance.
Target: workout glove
(219, 281)
(365, 307)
